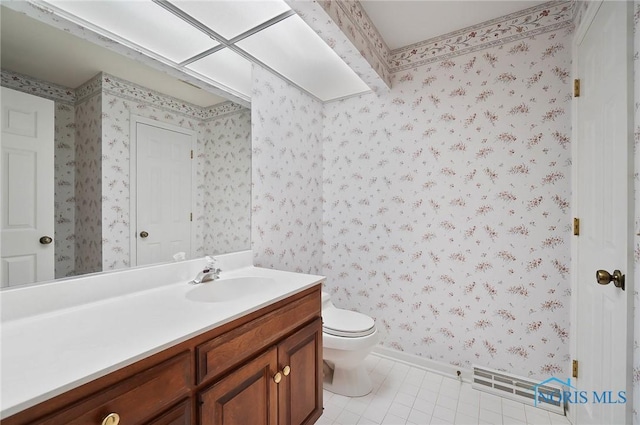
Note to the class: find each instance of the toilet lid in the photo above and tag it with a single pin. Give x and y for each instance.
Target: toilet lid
(347, 323)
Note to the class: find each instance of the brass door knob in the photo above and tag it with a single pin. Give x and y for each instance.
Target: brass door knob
(144, 234)
(111, 419)
(286, 371)
(46, 240)
(603, 277)
(277, 378)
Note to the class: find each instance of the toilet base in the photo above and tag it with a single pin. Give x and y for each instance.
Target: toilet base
(353, 382)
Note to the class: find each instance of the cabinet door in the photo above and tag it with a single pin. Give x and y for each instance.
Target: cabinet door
(248, 395)
(300, 392)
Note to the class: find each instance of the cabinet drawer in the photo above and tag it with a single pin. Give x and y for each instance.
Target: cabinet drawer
(218, 355)
(179, 415)
(135, 399)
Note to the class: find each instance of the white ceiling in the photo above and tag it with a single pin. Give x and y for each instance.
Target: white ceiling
(70, 61)
(186, 34)
(41, 51)
(402, 23)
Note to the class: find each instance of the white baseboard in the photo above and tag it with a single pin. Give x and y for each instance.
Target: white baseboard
(434, 366)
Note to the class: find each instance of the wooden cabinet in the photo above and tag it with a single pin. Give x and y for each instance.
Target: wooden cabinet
(248, 395)
(222, 377)
(135, 399)
(281, 386)
(300, 392)
(179, 415)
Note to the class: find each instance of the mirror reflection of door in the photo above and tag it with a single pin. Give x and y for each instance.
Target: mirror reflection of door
(163, 192)
(27, 248)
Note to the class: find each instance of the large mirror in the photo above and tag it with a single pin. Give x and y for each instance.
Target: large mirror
(101, 102)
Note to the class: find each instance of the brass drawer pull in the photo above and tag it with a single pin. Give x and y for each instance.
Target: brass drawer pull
(286, 371)
(277, 378)
(111, 419)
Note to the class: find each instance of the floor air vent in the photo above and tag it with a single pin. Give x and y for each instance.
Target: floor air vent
(518, 389)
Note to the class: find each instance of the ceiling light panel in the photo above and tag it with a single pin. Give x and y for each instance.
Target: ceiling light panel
(232, 18)
(227, 68)
(143, 23)
(293, 49)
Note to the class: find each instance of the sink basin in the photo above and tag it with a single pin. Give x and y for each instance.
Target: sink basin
(228, 289)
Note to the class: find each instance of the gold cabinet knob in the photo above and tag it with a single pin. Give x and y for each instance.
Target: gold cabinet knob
(111, 419)
(277, 378)
(286, 371)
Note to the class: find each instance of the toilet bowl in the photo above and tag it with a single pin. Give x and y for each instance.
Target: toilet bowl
(347, 338)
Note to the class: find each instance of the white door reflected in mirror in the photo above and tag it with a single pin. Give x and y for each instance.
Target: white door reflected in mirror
(163, 193)
(27, 188)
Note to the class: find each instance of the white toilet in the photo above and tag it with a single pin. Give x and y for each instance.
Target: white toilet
(347, 338)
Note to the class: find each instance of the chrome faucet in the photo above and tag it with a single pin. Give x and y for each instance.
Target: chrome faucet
(211, 272)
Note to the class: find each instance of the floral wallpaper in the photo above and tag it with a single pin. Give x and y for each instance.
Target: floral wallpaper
(227, 183)
(121, 99)
(64, 209)
(88, 181)
(446, 207)
(96, 115)
(286, 218)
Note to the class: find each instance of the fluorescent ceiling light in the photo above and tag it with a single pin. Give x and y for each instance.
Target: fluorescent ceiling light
(232, 18)
(296, 52)
(227, 68)
(143, 23)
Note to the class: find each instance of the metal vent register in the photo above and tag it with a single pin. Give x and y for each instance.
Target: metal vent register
(518, 389)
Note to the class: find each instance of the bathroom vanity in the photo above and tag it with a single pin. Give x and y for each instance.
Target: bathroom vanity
(259, 361)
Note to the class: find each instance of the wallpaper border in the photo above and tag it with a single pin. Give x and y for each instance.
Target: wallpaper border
(370, 44)
(117, 86)
(547, 17)
(40, 88)
(533, 21)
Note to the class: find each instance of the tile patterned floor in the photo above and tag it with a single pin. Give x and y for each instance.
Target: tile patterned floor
(407, 395)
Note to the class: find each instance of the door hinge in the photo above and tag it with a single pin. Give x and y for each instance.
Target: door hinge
(190, 216)
(576, 88)
(574, 369)
(576, 226)
(191, 153)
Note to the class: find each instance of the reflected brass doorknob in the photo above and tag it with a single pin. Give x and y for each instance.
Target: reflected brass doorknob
(46, 240)
(603, 277)
(144, 234)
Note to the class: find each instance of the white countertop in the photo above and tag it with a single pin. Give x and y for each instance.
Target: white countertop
(46, 354)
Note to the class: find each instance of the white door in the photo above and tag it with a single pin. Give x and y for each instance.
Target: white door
(163, 193)
(605, 198)
(27, 250)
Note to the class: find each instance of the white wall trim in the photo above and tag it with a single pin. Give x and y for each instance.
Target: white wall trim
(434, 366)
(133, 181)
(585, 23)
